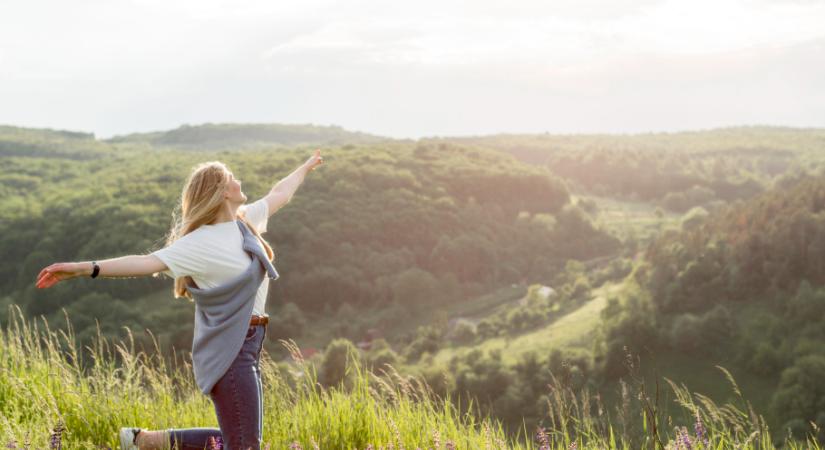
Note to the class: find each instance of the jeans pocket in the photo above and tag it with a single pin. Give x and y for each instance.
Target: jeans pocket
(251, 333)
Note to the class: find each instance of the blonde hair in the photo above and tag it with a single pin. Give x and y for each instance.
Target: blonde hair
(200, 203)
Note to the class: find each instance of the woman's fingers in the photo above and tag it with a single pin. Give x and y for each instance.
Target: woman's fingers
(315, 160)
(50, 275)
(42, 275)
(47, 280)
(43, 281)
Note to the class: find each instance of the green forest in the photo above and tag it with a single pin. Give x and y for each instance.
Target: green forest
(489, 267)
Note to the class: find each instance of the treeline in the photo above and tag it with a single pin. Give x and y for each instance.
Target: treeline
(677, 171)
(15, 141)
(514, 393)
(240, 135)
(744, 286)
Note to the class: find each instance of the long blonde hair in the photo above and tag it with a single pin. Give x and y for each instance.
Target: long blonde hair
(200, 203)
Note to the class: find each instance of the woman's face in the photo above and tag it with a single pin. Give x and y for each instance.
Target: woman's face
(233, 190)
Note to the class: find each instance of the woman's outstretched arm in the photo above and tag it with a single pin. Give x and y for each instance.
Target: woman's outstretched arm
(283, 190)
(122, 267)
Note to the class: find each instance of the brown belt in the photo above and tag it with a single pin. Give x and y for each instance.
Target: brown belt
(258, 320)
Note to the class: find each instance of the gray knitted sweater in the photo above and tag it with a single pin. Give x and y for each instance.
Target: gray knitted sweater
(222, 315)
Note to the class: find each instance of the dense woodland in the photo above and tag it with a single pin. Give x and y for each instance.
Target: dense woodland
(409, 225)
(443, 243)
(746, 286)
(675, 170)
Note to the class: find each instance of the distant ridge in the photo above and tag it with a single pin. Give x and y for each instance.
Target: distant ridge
(7, 131)
(239, 135)
(49, 143)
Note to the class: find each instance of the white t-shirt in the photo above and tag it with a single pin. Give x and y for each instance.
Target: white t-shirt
(213, 254)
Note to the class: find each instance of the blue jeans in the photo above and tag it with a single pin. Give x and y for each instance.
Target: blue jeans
(238, 400)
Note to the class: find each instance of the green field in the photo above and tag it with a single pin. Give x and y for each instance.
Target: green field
(573, 331)
(623, 218)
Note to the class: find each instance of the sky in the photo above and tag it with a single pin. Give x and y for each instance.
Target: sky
(413, 69)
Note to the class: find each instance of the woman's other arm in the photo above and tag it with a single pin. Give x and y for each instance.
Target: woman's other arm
(283, 190)
(122, 267)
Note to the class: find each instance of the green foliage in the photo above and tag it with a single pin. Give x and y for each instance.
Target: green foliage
(628, 324)
(615, 270)
(464, 332)
(694, 217)
(800, 395)
(220, 136)
(44, 386)
(47, 385)
(682, 201)
(761, 258)
(381, 356)
(287, 322)
(807, 304)
(337, 363)
(778, 240)
(386, 225)
(391, 226)
(691, 333)
(680, 170)
(428, 339)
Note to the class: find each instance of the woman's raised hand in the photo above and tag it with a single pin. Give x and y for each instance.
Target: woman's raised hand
(56, 272)
(315, 160)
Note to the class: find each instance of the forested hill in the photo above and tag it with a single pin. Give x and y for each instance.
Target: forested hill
(677, 171)
(746, 288)
(388, 226)
(235, 135)
(405, 237)
(15, 141)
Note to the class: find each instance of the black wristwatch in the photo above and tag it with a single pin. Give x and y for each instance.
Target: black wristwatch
(96, 269)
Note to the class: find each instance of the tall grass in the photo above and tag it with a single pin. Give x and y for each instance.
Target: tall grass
(50, 399)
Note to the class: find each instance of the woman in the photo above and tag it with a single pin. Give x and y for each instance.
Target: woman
(219, 260)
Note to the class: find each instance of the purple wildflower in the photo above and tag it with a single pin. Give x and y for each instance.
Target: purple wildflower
(684, 439)
(295, 446)
(11, 444)
(701, 432)
(55, 441)
(574, 445)
(450, 445)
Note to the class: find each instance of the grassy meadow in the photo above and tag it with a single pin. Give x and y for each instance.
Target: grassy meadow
(51, 398)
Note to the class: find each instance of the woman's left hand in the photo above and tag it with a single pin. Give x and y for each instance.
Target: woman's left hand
(314, 160)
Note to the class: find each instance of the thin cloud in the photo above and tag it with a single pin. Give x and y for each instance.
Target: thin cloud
(412, 69)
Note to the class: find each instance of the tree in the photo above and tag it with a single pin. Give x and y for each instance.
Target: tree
(801, 393)
(336, 363)
(464, 332)
(288, 322)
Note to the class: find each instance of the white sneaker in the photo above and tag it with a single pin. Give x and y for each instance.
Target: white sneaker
(127, 438)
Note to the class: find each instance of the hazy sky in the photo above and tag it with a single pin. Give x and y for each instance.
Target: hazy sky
(413, 69)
